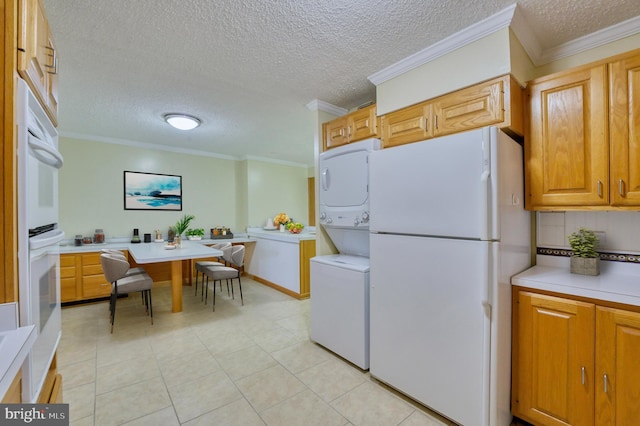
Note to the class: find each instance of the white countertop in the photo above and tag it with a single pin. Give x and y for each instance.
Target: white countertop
(286, 236)
(156, 252)
(15, 344)
(125, 244)
(618, 282)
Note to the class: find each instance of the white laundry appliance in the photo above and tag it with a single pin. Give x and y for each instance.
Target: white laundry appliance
(448, 230)
(340, 282)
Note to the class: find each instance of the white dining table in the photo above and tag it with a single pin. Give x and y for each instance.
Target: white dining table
(156, 252)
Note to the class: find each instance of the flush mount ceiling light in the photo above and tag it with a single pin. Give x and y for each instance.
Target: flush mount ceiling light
(182, 121)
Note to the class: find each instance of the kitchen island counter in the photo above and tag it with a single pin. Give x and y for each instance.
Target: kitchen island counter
(281, 260)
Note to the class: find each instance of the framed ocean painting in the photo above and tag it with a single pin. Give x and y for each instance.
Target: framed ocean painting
(152, 191)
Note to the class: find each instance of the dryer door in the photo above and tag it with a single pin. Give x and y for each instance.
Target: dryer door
(344, 180)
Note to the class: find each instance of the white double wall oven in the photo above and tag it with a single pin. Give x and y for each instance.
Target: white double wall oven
(39, 236)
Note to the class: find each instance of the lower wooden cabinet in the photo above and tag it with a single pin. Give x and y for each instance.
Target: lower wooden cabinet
(617, 377)
(574, 362)
(82, 278)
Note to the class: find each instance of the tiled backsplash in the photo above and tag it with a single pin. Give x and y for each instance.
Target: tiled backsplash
(621, 229)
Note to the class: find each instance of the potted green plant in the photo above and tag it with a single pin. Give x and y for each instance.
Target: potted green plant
(585, 259)
(195, 234)
(182, 225)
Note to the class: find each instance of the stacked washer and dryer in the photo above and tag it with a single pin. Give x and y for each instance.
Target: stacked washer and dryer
(340, 282)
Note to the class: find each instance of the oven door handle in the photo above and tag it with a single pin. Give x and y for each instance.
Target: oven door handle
(46, 239)
(45, 153)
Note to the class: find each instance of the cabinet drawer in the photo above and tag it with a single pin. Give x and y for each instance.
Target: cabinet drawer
(67, 271)
(68, 291)
(91, 259)
(95, 286)
(67, 260)
(91, 270)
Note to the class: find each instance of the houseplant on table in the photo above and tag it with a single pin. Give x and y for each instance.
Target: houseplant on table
(195, 234)
(181, 226)
(585, 259)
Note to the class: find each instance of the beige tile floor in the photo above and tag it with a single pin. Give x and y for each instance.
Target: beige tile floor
(241, 365)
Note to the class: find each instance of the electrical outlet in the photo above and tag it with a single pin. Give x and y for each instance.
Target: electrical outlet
(602, 237)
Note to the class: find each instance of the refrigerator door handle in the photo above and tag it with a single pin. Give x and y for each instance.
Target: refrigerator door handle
(485, 206)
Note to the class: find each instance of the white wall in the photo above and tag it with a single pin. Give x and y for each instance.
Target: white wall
(478, 61)
(275, 188)
(217, 191)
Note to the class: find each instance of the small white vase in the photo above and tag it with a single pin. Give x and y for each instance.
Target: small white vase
(281, 228)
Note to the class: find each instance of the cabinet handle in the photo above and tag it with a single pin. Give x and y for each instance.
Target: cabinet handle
(621, 187)
(606, 384)
(342, 131)
(435, 121)
(54, 60)
(583, 374)
(426, 123)
(599, 188)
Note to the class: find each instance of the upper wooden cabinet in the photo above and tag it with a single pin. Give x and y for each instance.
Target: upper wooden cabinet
(583, 146)
(575, 362)
(567, 153)
(411, 124)
(495, 102)
(624, 128)
(37, 55)
(355, 126)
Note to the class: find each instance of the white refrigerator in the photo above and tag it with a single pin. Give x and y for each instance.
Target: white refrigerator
(448, 230)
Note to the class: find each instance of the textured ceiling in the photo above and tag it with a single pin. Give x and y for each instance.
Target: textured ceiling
(247, 68)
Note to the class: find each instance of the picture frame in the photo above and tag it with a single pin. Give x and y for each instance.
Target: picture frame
(152, 191)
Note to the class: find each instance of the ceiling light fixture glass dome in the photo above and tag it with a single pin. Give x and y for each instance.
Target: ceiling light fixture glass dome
(182, 121)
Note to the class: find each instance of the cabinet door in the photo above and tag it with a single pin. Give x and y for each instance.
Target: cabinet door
(336, 133)
(555, 361)
(94, 283)
(567, 155)
(363, 124)
(624, 116)
(477, 106)
(68, 288)
(617, 373)
(407, 125)
(37, 55)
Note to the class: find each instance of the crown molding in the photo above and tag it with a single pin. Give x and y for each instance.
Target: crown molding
(590, 41)
(275, 161)
(470, 34)
(318, 105)
(509, 17)
(145, 145)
